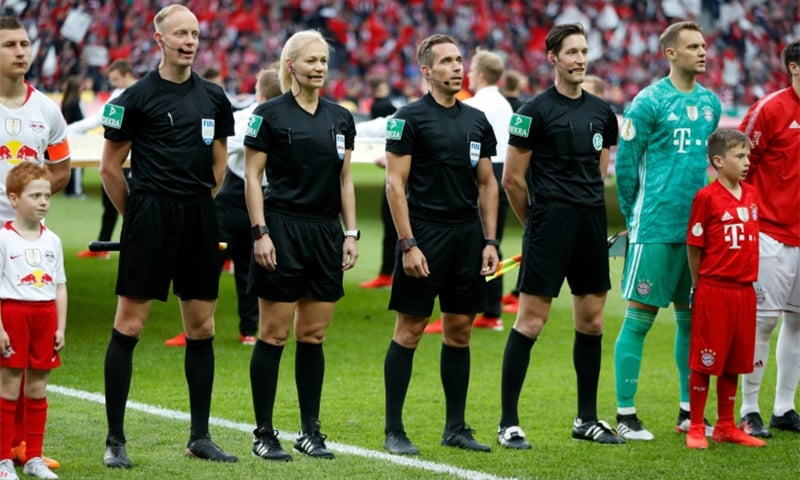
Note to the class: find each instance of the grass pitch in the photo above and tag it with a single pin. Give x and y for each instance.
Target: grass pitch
(352, 403)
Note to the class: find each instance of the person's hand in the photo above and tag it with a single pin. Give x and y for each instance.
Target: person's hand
(58, 343)
(415, 264)
(349, 253)
(5, 345)
(380, 162)
(490, 260)
(264, 253)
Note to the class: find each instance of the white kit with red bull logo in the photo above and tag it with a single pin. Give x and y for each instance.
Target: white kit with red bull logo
(26, 133)
(31, 270)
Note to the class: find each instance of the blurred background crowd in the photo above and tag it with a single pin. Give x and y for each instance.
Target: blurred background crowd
(377, 38)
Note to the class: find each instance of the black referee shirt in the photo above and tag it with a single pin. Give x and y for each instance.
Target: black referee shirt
(445, 145)
(566, 136)
(305, 154)
(172, 127)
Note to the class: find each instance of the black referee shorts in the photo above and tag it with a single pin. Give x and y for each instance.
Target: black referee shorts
(563, 240)
(167, 239)
(309, 257)
(454, 255)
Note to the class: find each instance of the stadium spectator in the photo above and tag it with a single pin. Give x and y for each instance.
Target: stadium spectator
(773, 125)
(667, 124)
(371, 36)
(120, 76)
(72, 110)
(382, 107)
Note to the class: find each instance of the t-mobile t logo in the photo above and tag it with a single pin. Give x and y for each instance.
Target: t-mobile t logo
(734, 233)
(682, 137)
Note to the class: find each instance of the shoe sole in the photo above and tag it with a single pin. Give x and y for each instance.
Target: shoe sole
(321, 457)
(288, 458)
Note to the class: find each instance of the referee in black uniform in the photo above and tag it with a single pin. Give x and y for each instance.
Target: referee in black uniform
(562, 136)
(304, 143)
(175, 124)
(443, 196)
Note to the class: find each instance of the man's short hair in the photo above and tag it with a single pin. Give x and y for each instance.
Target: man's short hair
(268, 84)
(124, 67)
(7, 22)
(165, 12)
(512, 80)
(669, 38)
(425, 52)
(556, 35)
(490, 64)
(723, 140)
(211, 72)
(791, 54)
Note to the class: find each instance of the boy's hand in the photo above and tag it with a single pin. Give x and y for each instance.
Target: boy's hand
(58, 344)
(5, 345)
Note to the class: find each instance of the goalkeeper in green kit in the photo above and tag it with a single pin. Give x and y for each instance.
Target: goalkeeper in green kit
(661, 164)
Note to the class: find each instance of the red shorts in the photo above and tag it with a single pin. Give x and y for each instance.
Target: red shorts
(723, 328)
(31, 328)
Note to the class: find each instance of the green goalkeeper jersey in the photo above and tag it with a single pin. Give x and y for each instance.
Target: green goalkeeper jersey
(661, 162)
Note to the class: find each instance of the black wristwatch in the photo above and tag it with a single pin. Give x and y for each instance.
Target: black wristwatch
(494, 243)
(407, 244)
(259, 231)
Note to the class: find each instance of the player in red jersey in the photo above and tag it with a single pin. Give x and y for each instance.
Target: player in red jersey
(773, 126)
(722, 246)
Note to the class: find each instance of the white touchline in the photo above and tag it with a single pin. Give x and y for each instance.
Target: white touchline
(247, 428)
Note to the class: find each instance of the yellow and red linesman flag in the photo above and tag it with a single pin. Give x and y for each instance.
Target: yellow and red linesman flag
(505, 266)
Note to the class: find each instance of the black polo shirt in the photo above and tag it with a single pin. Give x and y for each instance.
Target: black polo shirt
(305, 154)
(566, 136)
(445, 145)
(172, 127)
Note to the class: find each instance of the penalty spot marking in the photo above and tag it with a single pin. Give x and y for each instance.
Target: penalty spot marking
(247, 428)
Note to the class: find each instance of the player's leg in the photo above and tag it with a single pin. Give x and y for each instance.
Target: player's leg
(629, 346)
(10, 387)
(589, 280)
(311, 323)
(118, 370)
(787, 353)
(397, 369)
(772, 289)
(275, 320)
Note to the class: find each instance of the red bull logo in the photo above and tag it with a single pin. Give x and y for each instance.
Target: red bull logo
(15, 152)
(37, 278)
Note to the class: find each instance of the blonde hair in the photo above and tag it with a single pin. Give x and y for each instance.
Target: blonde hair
(267, 84)
(161, 16)
(292, 49)
(490, 64)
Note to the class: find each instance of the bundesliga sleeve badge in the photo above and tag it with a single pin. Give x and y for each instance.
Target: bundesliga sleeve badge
(394, 128)
(112, 116)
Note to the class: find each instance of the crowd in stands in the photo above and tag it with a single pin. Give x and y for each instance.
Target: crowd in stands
(379, 37)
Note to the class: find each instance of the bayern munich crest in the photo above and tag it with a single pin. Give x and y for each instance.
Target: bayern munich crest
(707, 357)
(643, 288)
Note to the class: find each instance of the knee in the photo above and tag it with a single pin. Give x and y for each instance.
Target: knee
(530, 326)
(765, 325)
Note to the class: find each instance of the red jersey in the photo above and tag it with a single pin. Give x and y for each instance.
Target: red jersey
(773, 125)
(726, 229)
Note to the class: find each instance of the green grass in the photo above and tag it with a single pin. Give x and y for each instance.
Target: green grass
(352, 404)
